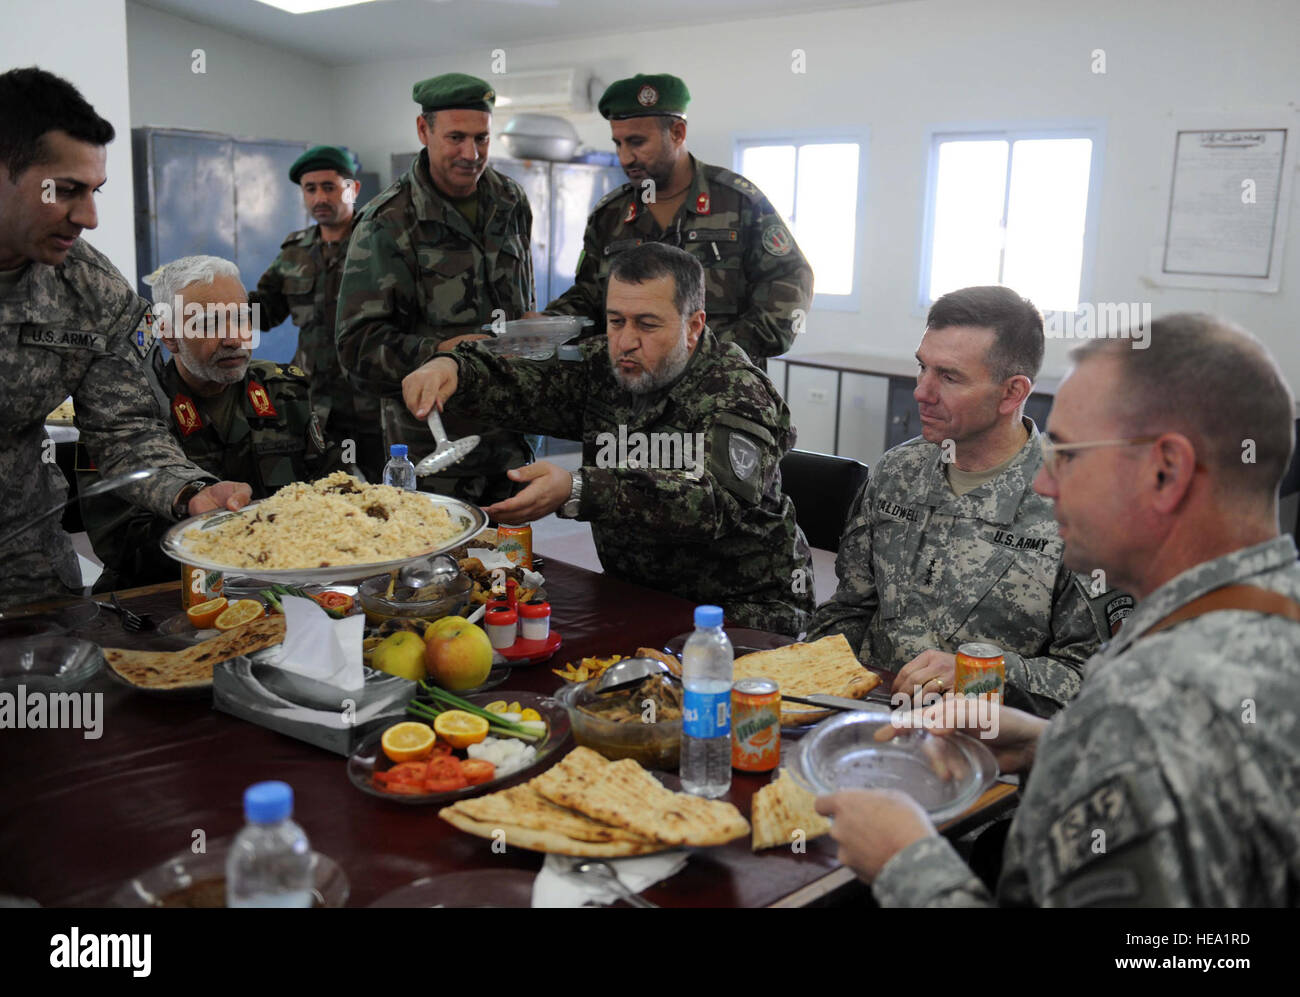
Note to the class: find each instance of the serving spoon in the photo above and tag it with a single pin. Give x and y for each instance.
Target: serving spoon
(447, 452)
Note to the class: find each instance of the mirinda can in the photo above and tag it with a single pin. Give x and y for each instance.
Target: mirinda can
(516, 543)
(755, 725)
(198, 585)
(981, 671)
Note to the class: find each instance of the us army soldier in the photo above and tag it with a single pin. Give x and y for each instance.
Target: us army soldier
(949, 543)
(758, 286)
(70, 324)
(235, 417)
(439, 254)
(303, 282)
(1170, 780)
(682, 442)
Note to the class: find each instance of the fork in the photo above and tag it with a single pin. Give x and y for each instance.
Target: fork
(130, 621)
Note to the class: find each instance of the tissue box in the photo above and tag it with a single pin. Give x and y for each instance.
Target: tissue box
(330, 718)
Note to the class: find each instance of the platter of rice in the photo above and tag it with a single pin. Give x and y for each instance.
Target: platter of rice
(333, 530)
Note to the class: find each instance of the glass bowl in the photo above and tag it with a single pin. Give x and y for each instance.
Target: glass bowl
(946, 775)
(48, 663)
(655, 746)
(449, 600)
(189, 880)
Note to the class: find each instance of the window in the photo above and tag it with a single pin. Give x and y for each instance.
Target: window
(1014, 208)
(815, 185)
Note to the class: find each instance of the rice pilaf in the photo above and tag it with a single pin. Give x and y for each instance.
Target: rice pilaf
(336, 521)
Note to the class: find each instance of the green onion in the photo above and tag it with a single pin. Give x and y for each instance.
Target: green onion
(444, 701)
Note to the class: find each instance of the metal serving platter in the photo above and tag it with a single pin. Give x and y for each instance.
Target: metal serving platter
(175, 544)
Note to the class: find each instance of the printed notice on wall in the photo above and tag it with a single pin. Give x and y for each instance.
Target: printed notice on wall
(1227, 208)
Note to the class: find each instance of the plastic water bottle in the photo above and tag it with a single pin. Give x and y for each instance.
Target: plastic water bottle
(399, 471)
(706, 721)
(269, 864)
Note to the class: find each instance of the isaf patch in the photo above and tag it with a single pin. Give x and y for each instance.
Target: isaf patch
(776, 240)
(1109, 809)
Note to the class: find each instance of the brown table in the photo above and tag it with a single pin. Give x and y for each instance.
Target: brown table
(78, 817)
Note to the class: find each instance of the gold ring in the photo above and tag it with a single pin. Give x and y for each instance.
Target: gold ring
(940, 681)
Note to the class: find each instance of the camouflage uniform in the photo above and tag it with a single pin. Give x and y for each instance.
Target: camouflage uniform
(303, 282)
(417, 273)
(921, 568)
(754, 274)
(232, 442)
(79, 329)
(727, 537)
(1180, 750)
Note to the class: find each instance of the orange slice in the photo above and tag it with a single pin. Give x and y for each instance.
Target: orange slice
(408, 741)
(460, 729)
(205, 614)
(238, 613)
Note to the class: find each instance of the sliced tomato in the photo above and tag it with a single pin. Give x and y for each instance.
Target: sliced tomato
(444, 774)
(409, 772)
(445, 785)
(441, 748)
(405, 788)
(334, 600)
(478, 771)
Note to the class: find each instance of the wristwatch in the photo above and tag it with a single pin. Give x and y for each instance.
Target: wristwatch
(181, 507)
(569, 510)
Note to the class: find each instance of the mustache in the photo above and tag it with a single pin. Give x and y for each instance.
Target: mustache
(229, 353)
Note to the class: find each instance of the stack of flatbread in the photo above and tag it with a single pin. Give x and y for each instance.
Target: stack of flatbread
(193, 666)
(781, 808)
(827, 666)
(589, 806)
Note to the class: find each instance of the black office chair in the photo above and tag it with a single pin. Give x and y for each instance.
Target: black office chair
(823, 489)
(1289, 500)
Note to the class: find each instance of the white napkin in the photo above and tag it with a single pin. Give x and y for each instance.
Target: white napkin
(320, 647)
(492, 558)
(557, 885)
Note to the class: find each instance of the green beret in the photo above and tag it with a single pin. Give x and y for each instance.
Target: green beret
(452, 91)
(645, 95)
(323, 157)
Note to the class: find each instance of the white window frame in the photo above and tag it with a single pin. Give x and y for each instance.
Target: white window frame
(1013, 132)
(850, 302)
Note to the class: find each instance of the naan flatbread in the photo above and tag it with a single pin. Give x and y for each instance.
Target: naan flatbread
(827, 667)
(193, 665)
(782, 807)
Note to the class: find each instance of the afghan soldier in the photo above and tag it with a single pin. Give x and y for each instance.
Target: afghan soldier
(758, 286)
(70, 324)
(949, 543)
(1171, 779)
(234, 417)
(303, 282)
(682, 443)
(434, 258)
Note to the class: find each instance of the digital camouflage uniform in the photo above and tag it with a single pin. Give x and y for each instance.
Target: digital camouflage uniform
(302, 282)
(1171, 779)
(921, 568)
(418, 273)
(755, 277)
(76, 328)
(269, 437)
(727, 537)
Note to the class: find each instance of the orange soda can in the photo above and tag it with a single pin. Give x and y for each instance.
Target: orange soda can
(516, 543)
(199, 585)
(981, 671)
(755, 725)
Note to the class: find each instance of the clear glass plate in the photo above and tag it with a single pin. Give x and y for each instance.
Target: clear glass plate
(945, 775)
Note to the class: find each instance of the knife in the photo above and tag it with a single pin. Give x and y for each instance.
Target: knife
(839, 702)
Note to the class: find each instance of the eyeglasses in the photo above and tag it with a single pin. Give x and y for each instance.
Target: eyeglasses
(1051, 450)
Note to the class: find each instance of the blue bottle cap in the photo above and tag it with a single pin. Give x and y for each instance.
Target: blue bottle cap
(708, 616)
(268, 802)
(397, 450)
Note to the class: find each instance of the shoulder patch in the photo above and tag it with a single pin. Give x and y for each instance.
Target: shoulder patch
(614, 195)
(1101, 823)
(777, 240)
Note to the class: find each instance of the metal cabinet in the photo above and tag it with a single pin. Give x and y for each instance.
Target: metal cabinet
(205, 193)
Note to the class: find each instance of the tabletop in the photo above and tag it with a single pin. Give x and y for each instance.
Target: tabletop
(79, 816)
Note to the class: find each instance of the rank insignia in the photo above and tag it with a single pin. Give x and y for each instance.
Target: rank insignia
(631, 213)
(702, 204)
(776, 240)
(647, 96)
(186, 415)
(297, 371)
(316, 434)
(260, 400)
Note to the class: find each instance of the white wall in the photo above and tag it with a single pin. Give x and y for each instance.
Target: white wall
(900, 68)
(84, 41)
(249, 89)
